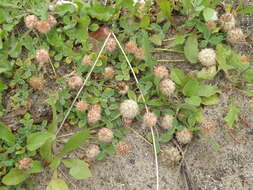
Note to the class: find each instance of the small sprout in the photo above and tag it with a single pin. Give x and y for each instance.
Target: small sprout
(139, 53)
(129, 109)
(123, 88)
(31, 21)
(36, 83)
(111, 44)
(42, 56)
(92, 151)
(122, 148)
(52, 20)
(207, 127)
(235, 36)
(75, 82)
(101, 33)
(167, 121)
(82, 106)
(167, 87)
(171, 156)
(227, 21)
(87, 60)
(131, 47)
(109, 72)
(25, 164)
(161, 71)
(94, 114)
(105, 135)
(207, 57)
(43, 26)
(184, 136)
(149, 119)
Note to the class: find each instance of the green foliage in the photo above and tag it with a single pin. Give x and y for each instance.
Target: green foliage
(191, 48)
(232, 115)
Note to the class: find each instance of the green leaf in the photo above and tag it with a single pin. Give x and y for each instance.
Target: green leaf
(36, 167)
(247, 10)
(6, 134)
(179, 39)
(191, 88)
(209, 14)
(100, 12)
(178, 76)
(145, 21)
(193, 100)
(207, 90)
(15, 177)
(155, 102)
(74, 142)
(57, 184)
(232, 115)
(191, 48)
(165, 7)
(167, 136)
(36, 140)
(131, 95)
(211, 100)
(78, 168)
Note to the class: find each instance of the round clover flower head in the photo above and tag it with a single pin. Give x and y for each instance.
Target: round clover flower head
(227, 21)
(87, 60)
(207, 127)
(149, 119)
(31, 21)
(235, 36)
(42, 56)
(75, 82)
(139, 53)
(82, 106)
(131, 47)
(92, 151)
(129, 109)
(109, 72)
(25, 164)
(184, 136)
(43, 26)
(161, 71)
(52, 20)
(36, 83)
(111, 44)
(167, 121)
(207, 57)
(122, 148)
(105, 135)
(167, 87)
(171, 156)
(123, 88)
(94, 114)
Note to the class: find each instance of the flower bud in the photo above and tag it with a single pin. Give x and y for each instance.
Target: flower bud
(207, 57)
(122, 148)
(167, 87)
(149, 119)
(92, 151)
(43, 26)
(184, 136)
(31, 21)
(36, 83)
(129, 109)
(167, 121)
(161, 71)
(94, 114)
(42, 56)
(75, 82)
(105, 135)
(82, 106)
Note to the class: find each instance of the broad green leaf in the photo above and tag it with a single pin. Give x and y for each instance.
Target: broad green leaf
(145, 21)
(232, 115)
(156, 39)
(248, 75)
(4, 188)
(36, 140)
(74, 142)
(6, 134)
(15, 177)
(36, 167)
(100, 12)
(207, 90)
(179, 39)
(209, 14)
(131, 95)
(211, 100)
(166, 8)
(191, 48)
(247, 10)
(57, 184)
(78, 168)
(178, 76)
(46, 150)
(191, 88)
(155, 102)
(193, 100)
(168, 135)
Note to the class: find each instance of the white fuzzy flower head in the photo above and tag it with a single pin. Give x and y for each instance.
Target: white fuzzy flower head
(94, 114)
(75, 82)
(42, 56)
(87, 60)
(111, 44)
(171, 156)
(167, 121)
(167, 87)
(122, 148)
(43, 26)
(207, 57)
(227, 22)
(184, 136)
(149, 119)
(105, 135)
(82, 106)
(161, 71)
(129, 109)
(235, 36)
(92, 151)
(31, 21)
(109, 72)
